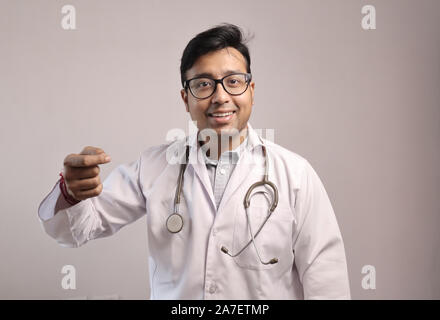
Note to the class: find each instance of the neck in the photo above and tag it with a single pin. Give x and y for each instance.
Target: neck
(224, 143)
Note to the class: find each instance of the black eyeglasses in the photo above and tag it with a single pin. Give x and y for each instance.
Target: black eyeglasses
(203, 87)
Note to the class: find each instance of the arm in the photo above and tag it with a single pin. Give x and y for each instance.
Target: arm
(120, 203)
(318, 245)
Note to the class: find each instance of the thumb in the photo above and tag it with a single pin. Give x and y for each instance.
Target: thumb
(101, 156)
(91, 150)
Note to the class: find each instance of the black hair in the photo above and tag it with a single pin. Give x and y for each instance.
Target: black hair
(216, 38)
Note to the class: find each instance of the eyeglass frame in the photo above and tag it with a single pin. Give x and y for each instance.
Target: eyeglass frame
(216, 81)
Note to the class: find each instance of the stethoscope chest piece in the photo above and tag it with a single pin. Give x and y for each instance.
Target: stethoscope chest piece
(174, 223)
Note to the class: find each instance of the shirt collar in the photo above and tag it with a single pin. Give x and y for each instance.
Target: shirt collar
(227, 156)
(252, 141)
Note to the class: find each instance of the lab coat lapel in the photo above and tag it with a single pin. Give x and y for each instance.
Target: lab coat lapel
(243, 169)
(202, 174)
(249, 163)
(196, 162)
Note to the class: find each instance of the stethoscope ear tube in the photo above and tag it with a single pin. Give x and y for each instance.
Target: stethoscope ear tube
(174, 222)
(180, 181)
(247, 200)
(262, 183)
(246, 203)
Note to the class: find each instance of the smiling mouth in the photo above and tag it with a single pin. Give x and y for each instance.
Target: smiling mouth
(221, 114)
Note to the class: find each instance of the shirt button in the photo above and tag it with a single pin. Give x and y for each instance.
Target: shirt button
(212, 288)
(222, 171)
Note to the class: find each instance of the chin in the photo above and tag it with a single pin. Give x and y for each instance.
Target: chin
(229, 130)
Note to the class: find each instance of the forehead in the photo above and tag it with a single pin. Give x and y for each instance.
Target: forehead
(218, 63)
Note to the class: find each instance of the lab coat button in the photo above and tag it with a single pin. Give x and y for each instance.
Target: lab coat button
(214, 231)
(212, 288)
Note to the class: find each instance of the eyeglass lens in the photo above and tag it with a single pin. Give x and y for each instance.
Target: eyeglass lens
(234, 84)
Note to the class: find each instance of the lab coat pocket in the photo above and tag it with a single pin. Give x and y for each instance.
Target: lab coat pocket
(273, 241)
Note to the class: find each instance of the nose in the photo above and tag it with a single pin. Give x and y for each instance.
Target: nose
(220, 96)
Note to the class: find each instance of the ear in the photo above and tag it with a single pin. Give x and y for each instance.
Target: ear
(252, 87)
(184, 96)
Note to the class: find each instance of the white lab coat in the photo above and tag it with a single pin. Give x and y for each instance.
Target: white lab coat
(302, 232)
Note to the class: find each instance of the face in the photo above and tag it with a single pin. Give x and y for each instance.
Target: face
(219, 64)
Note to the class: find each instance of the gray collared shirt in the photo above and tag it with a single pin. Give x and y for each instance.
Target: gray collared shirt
(220, 170)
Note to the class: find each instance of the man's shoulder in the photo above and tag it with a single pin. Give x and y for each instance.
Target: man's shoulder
(156, 149)
(159, 152)
(294, 165)
(285, 155)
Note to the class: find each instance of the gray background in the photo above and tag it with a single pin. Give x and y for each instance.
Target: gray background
(361, 106)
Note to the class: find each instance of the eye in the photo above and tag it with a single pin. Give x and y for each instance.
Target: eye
(200, 84)
(204, 84)
(235, 81)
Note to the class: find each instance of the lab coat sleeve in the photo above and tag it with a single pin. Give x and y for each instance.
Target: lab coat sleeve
(318, 245)
(120, 203)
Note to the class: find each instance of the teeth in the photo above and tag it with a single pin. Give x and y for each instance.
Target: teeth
(222, 114)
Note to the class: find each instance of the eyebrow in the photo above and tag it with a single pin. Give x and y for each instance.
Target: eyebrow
(210, 75)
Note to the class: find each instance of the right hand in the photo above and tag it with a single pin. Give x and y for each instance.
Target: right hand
(81, 172)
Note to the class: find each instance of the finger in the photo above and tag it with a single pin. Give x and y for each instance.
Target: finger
(91, 150)
(82, 195)
(77, 160)
(83, 185)
(74, 173)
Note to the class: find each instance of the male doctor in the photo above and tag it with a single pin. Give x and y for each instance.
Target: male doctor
(213, 248)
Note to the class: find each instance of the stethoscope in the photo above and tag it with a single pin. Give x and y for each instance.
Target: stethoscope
(174, 221)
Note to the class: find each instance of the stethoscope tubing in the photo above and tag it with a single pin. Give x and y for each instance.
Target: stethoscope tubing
(174, 222)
